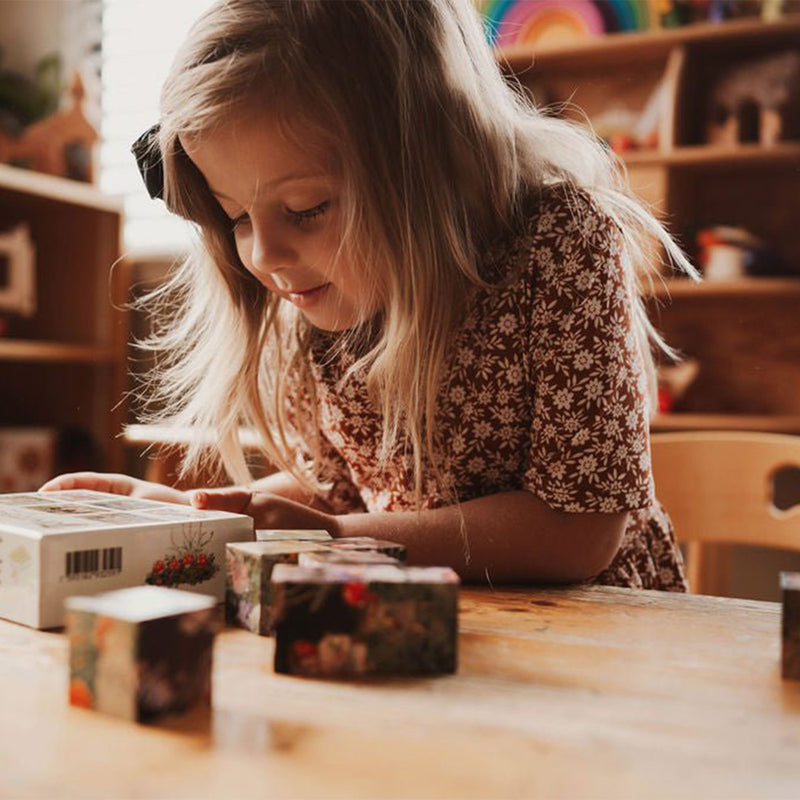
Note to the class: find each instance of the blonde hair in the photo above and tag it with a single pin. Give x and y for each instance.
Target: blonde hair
(437, 154)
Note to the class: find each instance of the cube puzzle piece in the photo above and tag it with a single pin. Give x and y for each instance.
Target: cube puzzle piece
(368, 544)
(330, 556)
(790, 625)
(343, 620)
(141, 653)
(267, 535)
(248, 590)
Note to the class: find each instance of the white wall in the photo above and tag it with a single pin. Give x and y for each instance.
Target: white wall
(30, 29)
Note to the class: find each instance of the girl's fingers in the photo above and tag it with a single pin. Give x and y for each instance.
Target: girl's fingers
(236, 501)
(117, 484)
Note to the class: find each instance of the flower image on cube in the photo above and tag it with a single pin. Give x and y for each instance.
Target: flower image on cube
(141, 653)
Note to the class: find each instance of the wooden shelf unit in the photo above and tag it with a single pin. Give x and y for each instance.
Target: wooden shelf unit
(66, 364)
(726, 422)
(633, 48)
(673, 288)
(745, 332)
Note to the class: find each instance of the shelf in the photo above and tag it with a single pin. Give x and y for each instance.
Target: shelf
(622, 48)
(50, 187)
(707, 156)
(148, 435)
(744, 287)
(778, 423)
(35, 351)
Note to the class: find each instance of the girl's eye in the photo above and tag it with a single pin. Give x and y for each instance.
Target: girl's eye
(306, 215)
(242, 219)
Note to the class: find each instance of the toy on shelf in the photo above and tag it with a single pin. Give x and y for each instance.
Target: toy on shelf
(141, 653)
(553, 23)
(727, 253)
(677, 13)
(548, 23)
(61, 144)
(625, 129)
(23, 100)
(17, 274)
(31, 456)
(673, 382)
(757, 101)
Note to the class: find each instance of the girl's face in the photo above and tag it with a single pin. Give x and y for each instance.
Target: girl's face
(283, 203)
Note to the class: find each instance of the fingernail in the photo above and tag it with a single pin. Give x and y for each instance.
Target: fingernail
(200, 498)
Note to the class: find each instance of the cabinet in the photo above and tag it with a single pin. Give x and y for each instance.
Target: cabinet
(66, 365)
(745, 333)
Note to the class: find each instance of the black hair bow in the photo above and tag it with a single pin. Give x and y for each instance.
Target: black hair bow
(148, 159)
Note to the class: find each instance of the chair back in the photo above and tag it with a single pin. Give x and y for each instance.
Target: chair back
(718, 488)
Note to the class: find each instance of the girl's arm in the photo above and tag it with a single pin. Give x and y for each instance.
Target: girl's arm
(508, 537)
(511, 537)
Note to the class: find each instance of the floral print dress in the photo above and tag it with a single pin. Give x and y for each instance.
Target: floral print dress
(545, 391)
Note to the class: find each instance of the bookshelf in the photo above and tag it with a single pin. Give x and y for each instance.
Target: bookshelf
(66, 364)
(744, 332)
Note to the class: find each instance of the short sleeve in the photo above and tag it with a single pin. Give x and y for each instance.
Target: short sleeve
(589, 448)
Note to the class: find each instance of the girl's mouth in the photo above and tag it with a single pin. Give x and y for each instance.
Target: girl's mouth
(308, 297)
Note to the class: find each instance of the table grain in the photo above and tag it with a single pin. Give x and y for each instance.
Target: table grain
(575, 693)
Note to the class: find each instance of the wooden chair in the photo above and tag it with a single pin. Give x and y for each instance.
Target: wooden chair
(718, 488)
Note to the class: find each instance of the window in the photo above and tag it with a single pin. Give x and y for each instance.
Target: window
(138, 42)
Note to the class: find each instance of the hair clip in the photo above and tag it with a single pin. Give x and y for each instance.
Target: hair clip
(148, 159)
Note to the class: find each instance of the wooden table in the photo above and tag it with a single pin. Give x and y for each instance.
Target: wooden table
(590, 692)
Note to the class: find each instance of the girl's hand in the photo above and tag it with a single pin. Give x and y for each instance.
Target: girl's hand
(269, 511)
(116, 484)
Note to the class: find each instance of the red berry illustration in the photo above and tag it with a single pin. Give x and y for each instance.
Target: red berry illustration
(188, 560)
(304, 649)
(354, 593)
(158, 566)
(202, 560)
(174, 565)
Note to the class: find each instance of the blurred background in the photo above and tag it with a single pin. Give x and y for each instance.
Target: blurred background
(699, 99)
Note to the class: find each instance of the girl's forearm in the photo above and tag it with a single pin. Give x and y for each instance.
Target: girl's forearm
(511, 537)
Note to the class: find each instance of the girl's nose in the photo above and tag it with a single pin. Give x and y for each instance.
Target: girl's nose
(271, 252)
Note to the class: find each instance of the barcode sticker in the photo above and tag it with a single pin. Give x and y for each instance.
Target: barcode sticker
(84, 563)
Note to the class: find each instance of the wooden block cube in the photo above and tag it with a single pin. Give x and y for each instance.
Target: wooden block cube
(368, 544)
(141, 653)
(790, 625)
(267, 535)
(248, 590)
(331, 556)
(345, 620)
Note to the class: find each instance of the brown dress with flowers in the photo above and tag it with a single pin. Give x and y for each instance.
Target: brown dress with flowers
(544, 391)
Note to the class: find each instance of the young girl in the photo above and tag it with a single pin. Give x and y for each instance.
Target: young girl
(417, 288)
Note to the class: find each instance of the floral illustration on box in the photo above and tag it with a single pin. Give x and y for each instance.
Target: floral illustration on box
(189, 562)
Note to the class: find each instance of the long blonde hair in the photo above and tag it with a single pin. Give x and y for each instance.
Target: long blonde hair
(437, 153)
